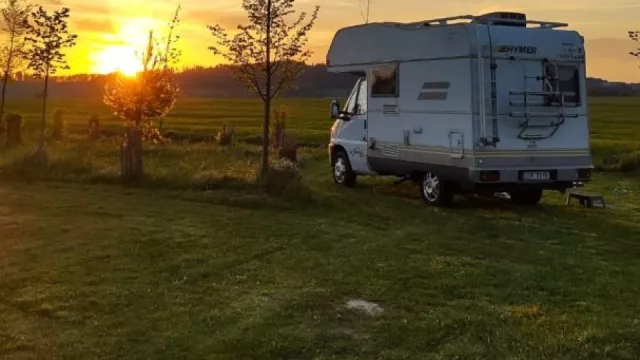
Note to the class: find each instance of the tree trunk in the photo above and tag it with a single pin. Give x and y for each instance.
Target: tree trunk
(5, 80)
(131, 169)
(267, 97)
(43, 123)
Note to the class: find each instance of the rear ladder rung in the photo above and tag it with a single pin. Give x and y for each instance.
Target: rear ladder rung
(540, 103)
(541, 115)
(541, 93)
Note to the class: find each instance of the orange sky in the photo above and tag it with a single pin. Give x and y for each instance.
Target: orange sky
(110, 29)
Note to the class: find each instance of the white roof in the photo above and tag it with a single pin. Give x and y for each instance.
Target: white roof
(356, 46)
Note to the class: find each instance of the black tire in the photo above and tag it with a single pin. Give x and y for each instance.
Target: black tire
(526, 197)
(343, 174)
(435, 191)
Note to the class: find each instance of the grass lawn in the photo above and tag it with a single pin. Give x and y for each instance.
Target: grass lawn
(171, 271)
(96, 271)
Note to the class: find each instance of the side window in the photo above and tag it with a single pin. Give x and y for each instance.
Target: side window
(384, 81)
(362, 98)
(350, 106)
(563, 79)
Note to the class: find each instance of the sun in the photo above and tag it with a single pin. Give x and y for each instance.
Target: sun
(122, 49)
(117, 58)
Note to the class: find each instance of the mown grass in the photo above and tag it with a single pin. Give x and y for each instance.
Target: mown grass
(196, 263)
(97, 271)
(615, 125)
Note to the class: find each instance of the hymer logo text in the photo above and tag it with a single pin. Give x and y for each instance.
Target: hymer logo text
(517, 49)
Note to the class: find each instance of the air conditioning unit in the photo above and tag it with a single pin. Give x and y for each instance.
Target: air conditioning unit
(510, 19)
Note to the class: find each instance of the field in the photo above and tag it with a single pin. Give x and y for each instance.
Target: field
(196, 262)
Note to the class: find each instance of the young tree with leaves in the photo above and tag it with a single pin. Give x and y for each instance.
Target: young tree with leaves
(48, 36)
(635, 36)
(15, 15)
(268, 54)
(149, 94)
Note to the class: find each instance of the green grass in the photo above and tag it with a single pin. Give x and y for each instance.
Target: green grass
(95, 271)
(197, 263)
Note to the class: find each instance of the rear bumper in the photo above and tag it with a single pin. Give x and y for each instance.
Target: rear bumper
(506, 179)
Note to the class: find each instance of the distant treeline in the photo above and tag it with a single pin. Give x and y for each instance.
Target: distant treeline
(218, 81)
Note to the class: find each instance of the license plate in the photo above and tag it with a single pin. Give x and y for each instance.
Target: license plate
(536, 175)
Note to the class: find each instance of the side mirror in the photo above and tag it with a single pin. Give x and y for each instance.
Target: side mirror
(335, 109)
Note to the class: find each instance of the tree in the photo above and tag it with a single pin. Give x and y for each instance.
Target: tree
(149, 94)
(16, 16)
(268, 54)
(48, 35)
(635, 36)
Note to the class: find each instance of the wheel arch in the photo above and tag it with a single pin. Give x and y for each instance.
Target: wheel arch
(337, 149)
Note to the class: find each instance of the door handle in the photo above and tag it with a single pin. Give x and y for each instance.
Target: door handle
(417, 130)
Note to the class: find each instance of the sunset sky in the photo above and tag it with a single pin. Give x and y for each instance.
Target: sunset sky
(110, 29)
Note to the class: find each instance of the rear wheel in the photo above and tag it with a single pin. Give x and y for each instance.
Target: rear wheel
(343, 175)
(526, 197)
(435, 191)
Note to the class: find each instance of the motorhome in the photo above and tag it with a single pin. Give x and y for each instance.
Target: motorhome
(486, 104)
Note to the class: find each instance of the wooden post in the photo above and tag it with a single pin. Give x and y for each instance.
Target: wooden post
(57, 130)
(14, 130)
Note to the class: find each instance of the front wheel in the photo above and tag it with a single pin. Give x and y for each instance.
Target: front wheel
(526, 197)
(435, 191)
(343, 174)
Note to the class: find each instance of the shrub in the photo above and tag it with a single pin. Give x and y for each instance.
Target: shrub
(289, 147)
(57, 131)
(225, 136)
(284, 179)
(629, 162)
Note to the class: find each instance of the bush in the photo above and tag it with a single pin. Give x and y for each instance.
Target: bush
(288, 147)
(57, 131)
(225, 136)
(616, 157)
(629, 163)
(284, 179)
(278, 126)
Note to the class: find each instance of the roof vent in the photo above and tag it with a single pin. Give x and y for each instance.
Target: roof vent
(510, 19)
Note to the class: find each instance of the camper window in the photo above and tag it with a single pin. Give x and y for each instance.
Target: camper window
(350, 106)
(384, 81)
(563, 79)
(362, 98)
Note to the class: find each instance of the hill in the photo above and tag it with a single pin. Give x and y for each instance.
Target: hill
(218, 81)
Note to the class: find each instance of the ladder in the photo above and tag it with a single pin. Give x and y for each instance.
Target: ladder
(549, 98)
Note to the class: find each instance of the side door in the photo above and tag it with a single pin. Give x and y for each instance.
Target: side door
(353, 132)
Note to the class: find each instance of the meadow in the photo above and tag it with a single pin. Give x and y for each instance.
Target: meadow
(197, 262)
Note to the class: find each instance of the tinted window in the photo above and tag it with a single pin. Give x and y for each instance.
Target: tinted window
(384, 81)
(563, 79)
(569, 81)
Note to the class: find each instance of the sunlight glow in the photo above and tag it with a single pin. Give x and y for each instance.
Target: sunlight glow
(115, 58)
(129, 43)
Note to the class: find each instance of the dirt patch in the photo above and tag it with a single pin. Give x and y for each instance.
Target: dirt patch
(367, 307)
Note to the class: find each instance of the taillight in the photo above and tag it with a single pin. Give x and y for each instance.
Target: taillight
(490, 176)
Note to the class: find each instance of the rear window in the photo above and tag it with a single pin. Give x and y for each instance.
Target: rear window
(384, 81)
(568, 82)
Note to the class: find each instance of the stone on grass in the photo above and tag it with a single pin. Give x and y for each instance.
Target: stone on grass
(367, 307)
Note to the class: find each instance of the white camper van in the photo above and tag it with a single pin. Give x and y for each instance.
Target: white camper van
(485, 104)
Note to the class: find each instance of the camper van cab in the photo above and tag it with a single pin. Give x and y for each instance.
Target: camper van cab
(485, 104)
